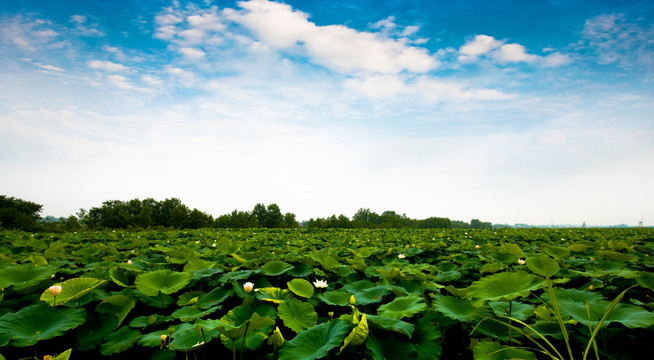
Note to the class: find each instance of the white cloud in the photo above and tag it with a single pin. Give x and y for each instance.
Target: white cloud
(491, 48)
(49, 67)
(106, 65)
(336, 47)
(192, 53)
(120, 81)
(480, 45)
(614, 40)
(27, 34)
(84, 28)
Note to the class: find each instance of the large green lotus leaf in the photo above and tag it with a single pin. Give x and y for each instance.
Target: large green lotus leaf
(572, 303)
(119, 276)
(646, 280)
(189, 298)
(503, 258)
(487, 350)
(513, 249)
(301, 270)
(189, 337)
(391, 324)
(365, 292)
(39, 322)
(276, 267)
(119, 341)
(24, 275)
(426, 338)
(236, 275)
(335, 298)
(152, 320)
(517, 310)
(273, 294)
(387, 346)
(448, 276)
(315, 342)
(256, 322)
(117, 305)
(402, 307)
(214, 297)
(164, 281)
(504, 286)
(542, 265)
(297, 315)
(153, 339)
(154, 301)
(300, 287)
(94, 330)
(557, 252)
(72, 289)
(197, 265)
(190, 313)
(459, 309)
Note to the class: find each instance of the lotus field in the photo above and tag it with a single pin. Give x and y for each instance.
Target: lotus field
(332, 294)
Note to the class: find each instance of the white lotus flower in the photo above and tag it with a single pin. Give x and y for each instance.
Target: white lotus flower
(401, 256)
(320, 284)
(55, 290)
(521, 261)
(248, 286)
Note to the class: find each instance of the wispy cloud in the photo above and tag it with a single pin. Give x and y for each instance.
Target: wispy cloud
(28, 34)
(84, 28)
(106, 65)
(488, 47)
(615, 40)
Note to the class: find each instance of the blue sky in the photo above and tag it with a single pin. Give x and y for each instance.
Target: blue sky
(507, 111)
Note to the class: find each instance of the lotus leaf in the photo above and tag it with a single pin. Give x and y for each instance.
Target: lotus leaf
(188, 337)
(152, 320)
(153, 339)
(190, 313)
(275, 268)
(459, 309)
(518, 310)
(358, 335)
(256, 322)
(365, 292)
(504, 286)
(297, 315)
(402, 307)
(25, 275)
(236, 275)
(94, 330)
(301, 270)
(335, 298)
(425, 338)
(572, 303)
(557, 252)
(117, 305)
(543, 265)
(164, 281)
(315, 342)
(646, 280)
(189, 298)
(119, 276)
(39, 322)
(385, 346)
(300, 287)
(215, 296)
(273, 294)
(120, 341)
(197, 265)
(72, 289)
(487, 350)
(391, 324)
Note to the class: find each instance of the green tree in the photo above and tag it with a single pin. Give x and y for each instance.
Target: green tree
(19, 214)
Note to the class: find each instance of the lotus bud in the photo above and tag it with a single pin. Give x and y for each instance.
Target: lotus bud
(331, 314)
(276, 339)
(476, 246)
(47, 357)
(248, 286)
(352, 300)
(55, 290)
(591, 287)
(163, 341)
(129, 262)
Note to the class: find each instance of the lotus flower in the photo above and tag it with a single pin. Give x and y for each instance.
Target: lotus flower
(55, 290)
(320, 284)
(476, 246)
(401, 256)
(129, 262)
(521, 261)
(248, 286)
(352, 300)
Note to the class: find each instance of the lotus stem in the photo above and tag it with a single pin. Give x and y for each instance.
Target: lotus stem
(243, 343)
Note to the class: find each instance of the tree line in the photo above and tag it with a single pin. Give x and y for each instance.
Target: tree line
(173, 214)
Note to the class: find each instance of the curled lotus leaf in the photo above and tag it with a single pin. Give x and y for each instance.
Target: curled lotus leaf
(164, 281)
(401, 307)
(504, 286)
